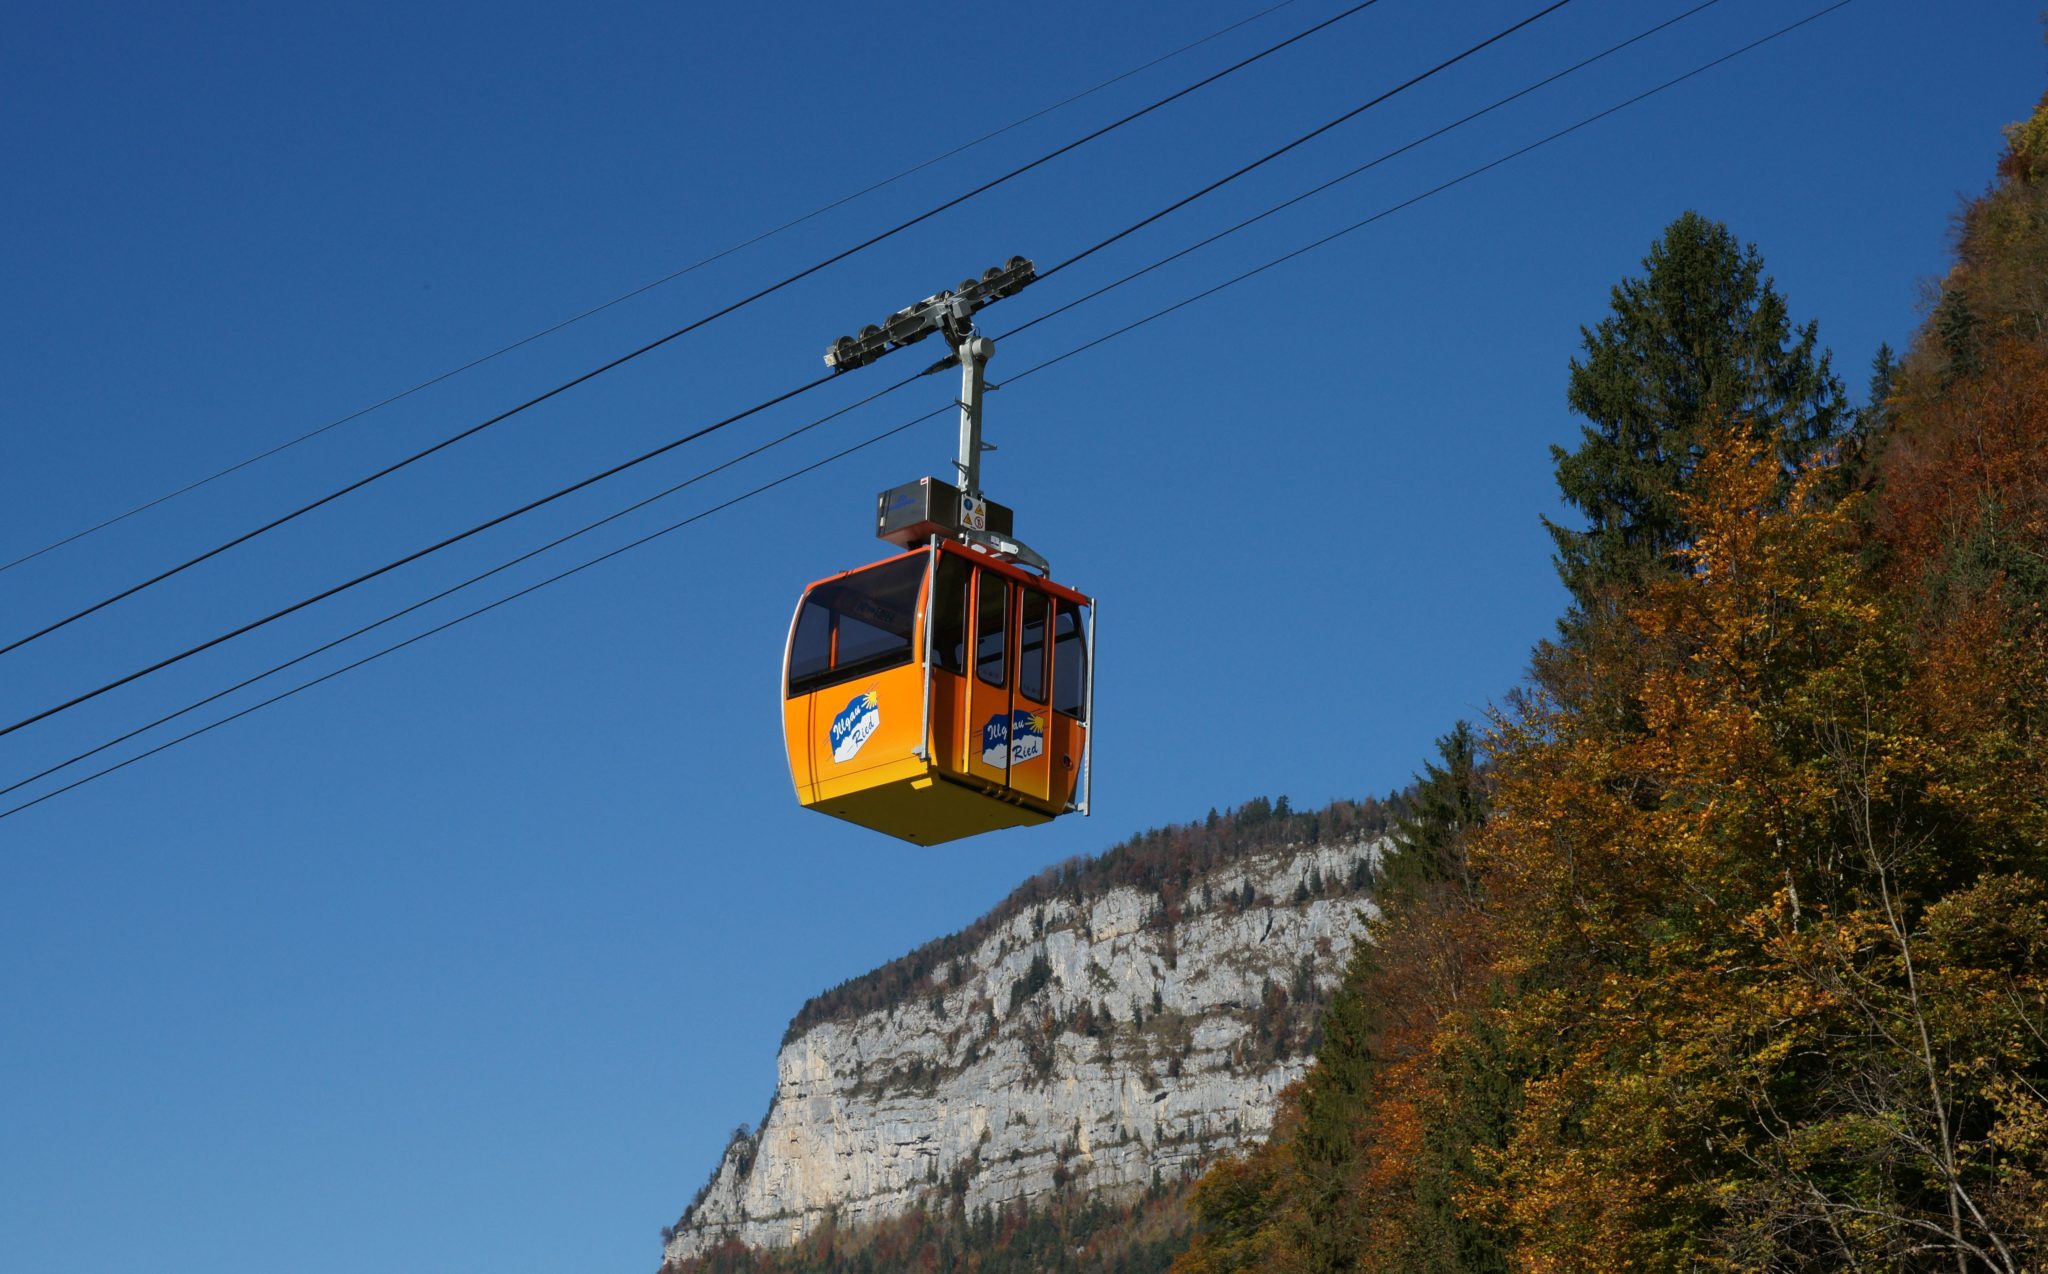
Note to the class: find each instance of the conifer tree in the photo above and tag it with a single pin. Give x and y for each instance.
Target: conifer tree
(1876, 411)
(1956, 324)
(1701, 340)
(1449, 803)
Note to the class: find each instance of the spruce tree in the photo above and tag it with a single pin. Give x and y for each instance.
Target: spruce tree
(1701, 340)
(1332, 1099)
(1867, 427)
(1884, 375)
(1956, 325)
(1448, 804)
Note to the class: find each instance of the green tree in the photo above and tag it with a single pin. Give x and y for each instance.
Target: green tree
(1323, 1147)
(1701, 340)
(1448, 804)
(1876, 412)
(1956, 323)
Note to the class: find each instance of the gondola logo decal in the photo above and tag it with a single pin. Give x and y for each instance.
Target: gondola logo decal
(856, 722)
(1012, 738)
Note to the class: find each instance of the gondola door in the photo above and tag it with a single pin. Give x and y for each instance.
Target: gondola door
(987, 736)
(1031, 696)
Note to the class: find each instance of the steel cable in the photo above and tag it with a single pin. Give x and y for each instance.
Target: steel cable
(692, 326)
(1038, 367)
(649, 286)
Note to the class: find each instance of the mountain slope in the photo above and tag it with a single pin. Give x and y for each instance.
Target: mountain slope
(1113, 1026)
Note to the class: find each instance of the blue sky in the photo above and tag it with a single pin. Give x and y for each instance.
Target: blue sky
(467, 961)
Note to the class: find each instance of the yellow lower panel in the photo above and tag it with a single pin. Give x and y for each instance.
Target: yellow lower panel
(920, 807)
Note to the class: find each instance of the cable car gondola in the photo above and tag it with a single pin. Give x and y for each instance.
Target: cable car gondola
(946, 690)
(937, 694)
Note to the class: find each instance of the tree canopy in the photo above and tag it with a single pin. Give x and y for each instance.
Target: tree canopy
(1701, 340)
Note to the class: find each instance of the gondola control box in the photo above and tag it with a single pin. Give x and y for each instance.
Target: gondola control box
(913, 513)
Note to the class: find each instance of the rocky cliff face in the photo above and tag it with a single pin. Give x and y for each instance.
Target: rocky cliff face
(1097, 1042)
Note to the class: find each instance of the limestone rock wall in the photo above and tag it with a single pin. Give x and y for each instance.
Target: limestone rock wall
(1097, 1044)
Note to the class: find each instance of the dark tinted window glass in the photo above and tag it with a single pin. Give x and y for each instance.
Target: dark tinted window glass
(949, 620)
(810, 651)
(1070, 661)
(1031, 646)
(991, 618)
(869, 646)
(871, 618)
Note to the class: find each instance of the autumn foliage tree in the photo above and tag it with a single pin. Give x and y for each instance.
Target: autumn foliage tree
(1746, 967)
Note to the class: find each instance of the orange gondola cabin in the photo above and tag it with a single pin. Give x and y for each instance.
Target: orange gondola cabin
(939, 694)
(945, 691)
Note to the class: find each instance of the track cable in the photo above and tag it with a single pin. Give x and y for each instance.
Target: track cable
(460, 536)
(873, 440)
(686, 329)
(649, 286)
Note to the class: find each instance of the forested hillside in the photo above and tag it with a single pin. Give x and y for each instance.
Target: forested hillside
(1072, 1232)
(1724, 943)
